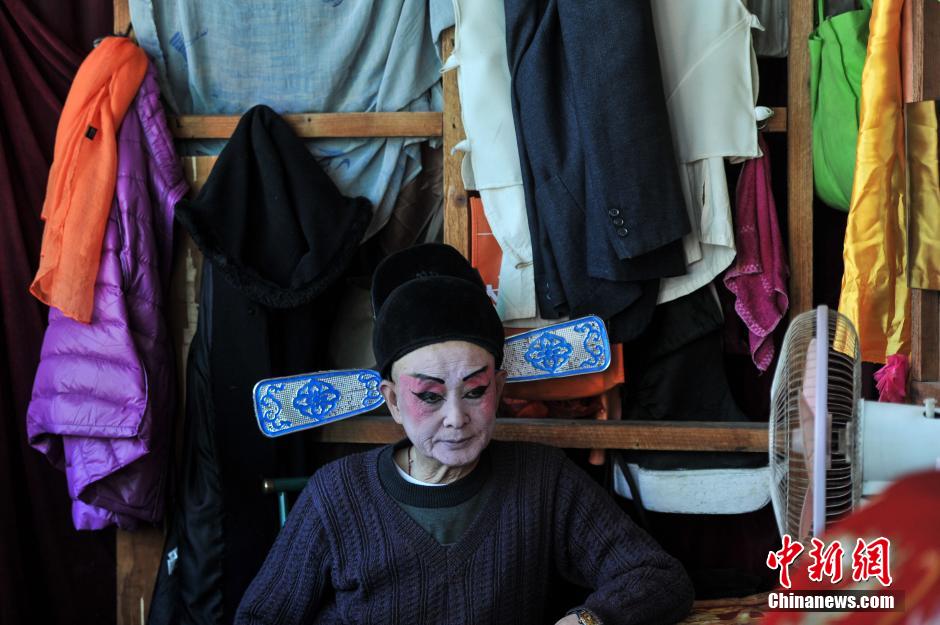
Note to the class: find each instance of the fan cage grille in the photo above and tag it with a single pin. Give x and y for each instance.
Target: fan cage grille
(790, 476)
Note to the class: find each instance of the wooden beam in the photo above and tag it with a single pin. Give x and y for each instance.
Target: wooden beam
(800, 159)
(317, 125)
(930, 68)
(456, 206)
(925, 305)
(138, 559)
(197, 169)
(122, 16)
(924, 390)
(137, 553)
(777, 123)
(925, 335)
(580, 434)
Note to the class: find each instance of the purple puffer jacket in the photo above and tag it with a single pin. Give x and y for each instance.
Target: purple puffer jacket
(104, 394)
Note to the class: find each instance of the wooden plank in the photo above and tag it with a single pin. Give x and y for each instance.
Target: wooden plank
(136, 553)
(122, 16)
(931, 49)
(138, 557)
(580, 434)
(800, 159)
(777, 123)
(925, 305)
(197, 169)
(925, 335)
(456, 206)
(924, 390)
(317, 125)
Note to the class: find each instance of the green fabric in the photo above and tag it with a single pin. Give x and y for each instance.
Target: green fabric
(837, 55)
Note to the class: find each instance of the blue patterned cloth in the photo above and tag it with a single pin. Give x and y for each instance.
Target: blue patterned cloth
(299, 56)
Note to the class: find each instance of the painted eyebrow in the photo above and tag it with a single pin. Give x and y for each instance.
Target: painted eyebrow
(422, 376)
(480, 370)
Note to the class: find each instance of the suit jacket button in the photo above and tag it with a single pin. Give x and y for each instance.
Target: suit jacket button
(617, 221)
(613, 212)
(622, 232)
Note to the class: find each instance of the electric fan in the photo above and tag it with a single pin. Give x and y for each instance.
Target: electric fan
(827, 447)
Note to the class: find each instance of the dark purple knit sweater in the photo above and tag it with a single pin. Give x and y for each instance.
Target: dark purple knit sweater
(350, 554)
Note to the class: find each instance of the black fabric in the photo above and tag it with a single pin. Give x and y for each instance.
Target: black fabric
(600, 178)
(277, 236)
(429, 294)
(270, 219)
(419, 496)
(675, 371)
(630, 323)
(49, 573)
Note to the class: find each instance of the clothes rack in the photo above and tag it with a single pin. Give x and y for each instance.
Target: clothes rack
(138, 553)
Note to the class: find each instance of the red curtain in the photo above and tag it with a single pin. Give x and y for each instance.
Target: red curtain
(49, 572)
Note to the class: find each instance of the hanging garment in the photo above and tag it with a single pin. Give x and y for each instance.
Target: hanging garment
(758, 278)
(875, 296)
(81, 180)
(681, 348)
(774, 16)
(277, 236)
(923, 168)
(491, 160)
(837, 54)
(710, 80)
(303, 57)
(602, 197)
(104, 395)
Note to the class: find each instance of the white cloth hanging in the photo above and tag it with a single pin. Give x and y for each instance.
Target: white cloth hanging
(491, 162)
(710, 78)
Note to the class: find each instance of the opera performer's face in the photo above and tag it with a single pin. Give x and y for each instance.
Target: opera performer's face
(445, 396)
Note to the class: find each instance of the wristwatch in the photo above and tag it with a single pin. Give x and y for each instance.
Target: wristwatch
(585, 617)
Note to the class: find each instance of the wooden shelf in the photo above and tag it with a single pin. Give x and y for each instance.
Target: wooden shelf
(318, 125)
(924, 390)
(580, 434)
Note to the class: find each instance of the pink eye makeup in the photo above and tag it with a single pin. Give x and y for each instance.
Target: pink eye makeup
(420, 396)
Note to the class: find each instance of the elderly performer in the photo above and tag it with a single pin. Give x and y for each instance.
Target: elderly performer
(445, 526)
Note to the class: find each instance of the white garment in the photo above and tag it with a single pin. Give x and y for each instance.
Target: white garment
(491, 164)
(710, 79)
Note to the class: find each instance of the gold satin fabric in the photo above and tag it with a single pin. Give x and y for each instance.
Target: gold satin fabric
(923, 198)
(875, 295)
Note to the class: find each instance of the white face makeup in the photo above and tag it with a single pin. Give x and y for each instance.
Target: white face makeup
(445, 396)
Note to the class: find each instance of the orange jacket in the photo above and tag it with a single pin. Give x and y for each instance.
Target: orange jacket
(83, 174)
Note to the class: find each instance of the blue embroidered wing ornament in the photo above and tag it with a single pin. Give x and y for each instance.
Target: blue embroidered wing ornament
(299, 402)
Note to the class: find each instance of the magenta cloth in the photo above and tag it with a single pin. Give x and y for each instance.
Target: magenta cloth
(758, 278)
(891, 379)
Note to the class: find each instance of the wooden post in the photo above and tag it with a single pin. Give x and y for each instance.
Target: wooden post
(925, 305)
(138, 552)
(456, 207)
(800, 159)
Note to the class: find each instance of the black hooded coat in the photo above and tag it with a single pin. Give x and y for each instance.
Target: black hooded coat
(276, 236)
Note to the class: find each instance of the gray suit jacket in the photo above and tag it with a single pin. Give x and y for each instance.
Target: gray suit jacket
(601, 183)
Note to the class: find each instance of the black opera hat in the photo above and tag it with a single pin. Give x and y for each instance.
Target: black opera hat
(429, 294)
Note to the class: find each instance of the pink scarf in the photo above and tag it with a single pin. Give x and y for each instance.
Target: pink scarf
(758, 278)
